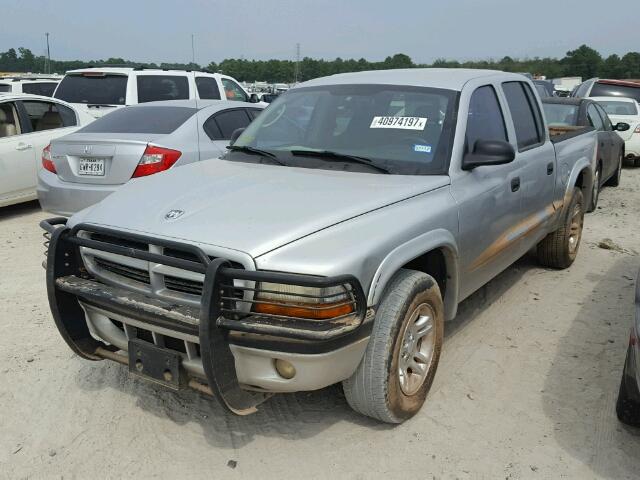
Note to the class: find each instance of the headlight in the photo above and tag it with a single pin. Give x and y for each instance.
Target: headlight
(303, 302)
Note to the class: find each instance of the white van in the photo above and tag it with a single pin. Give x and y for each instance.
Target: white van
(101, 90)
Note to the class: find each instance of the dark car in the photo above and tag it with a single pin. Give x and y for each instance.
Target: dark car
(582, 112)
(545, 88)
(628, 406)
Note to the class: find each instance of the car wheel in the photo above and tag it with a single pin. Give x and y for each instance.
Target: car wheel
(615, 180)
(560, 248)
(628, 404)
(398, 367)
(595, 191)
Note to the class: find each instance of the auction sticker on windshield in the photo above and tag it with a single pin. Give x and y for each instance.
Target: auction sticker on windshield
(404, 123)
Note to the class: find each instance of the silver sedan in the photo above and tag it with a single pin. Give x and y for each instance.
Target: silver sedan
(81, 169)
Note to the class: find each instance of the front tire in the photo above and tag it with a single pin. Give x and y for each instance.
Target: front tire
(397, 370)
(560, 248)
(628, 404)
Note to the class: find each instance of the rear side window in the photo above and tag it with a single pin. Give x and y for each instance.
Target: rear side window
(253, 112)
(485, 121)
(208, 88)
(609, 90)
(141, 119)
(153, 88)
(221, 125)
(48, 115)
(594, 117)
(4, 87)
(40, 88)
(525, 114)
(93, 89)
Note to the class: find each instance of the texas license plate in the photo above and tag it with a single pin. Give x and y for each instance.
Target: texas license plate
(91, 166)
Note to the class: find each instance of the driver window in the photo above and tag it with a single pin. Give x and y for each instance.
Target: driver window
(233, 91)
(485, 120)
(9, 124)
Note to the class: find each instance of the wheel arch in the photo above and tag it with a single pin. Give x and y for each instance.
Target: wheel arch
(434, 253)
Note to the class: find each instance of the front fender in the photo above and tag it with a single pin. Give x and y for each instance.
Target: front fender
(404, 253)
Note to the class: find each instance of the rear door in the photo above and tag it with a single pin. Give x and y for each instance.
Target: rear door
(615, 143)
(218, 129)
(604, 141)
(17, 161)
(537, 156)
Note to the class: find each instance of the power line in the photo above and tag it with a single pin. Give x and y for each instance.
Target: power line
(296, 73)
(48, 66)
(193, 50)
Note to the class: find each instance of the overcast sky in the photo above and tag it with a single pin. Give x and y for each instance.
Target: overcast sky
(147, 30)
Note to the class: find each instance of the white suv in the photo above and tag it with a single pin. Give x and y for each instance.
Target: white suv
(36, 85)
(100, 90)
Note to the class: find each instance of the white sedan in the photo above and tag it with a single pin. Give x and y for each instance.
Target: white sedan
(625, 110)
(27, 124)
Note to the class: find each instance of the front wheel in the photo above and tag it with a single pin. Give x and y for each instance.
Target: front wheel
(398, 367)
(560, 248)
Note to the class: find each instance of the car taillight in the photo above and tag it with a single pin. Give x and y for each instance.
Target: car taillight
(47, 163)
(154, 160)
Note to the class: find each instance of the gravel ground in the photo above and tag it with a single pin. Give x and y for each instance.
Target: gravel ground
(526, 386)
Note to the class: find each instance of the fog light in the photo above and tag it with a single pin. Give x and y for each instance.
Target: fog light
(285, 369)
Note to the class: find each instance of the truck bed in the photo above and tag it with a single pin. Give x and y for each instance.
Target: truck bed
(560, 133)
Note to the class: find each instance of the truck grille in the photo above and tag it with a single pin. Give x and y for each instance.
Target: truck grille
(143, 277)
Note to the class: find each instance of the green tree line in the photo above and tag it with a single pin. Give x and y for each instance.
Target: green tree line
(584, 61)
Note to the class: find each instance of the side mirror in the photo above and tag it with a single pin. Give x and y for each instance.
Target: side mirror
(489, 152)
(234, 136)
(621, 127)
(254, 98)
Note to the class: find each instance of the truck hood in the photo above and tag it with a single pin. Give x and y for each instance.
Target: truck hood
(249, 207)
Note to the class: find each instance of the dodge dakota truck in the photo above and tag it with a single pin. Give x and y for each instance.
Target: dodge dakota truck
(330, 244)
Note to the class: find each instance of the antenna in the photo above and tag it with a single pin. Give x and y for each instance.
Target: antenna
(296, 73)
(48, 66)
(193, 50)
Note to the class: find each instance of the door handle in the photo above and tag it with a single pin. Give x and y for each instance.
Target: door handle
(23, 146)
(515, 184)
(549, 168)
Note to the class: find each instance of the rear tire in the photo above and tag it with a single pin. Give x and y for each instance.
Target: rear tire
(398, 367)
(628, 404)
(615, 180)
(560, 248)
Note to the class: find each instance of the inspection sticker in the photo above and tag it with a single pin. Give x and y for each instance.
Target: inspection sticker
(404, 123)
(422, 148)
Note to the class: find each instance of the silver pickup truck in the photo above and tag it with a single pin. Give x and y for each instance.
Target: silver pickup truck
(330, 244)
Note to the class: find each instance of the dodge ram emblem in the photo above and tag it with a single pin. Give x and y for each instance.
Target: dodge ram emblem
(173, 214)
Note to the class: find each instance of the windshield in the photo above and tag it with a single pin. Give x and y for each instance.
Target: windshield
(561, 114)
(616, 107)
(93, 89)
(405, 130)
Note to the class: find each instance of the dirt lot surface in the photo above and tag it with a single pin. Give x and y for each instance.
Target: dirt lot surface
(526, 387)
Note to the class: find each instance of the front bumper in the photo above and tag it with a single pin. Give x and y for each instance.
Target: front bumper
(632, 146)
(67, 198)
(229, 350)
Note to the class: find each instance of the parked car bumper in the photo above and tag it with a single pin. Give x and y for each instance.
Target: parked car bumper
(66, 198)
(210, 342)
(632, 146)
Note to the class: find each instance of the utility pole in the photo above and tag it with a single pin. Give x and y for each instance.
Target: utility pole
(193, 51)
(48, 66)
(296, 74)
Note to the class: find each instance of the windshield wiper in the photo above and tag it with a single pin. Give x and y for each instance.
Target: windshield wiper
(256, 151)
(340, 157)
